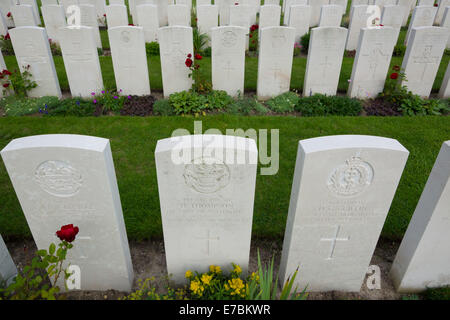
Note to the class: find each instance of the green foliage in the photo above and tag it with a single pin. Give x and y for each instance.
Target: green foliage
(285, 102)
(163, 107)
(19, 106)
(207, 52)
(152, 48)
(55, 48)
(189, 102)
(6, 45)
(147, 291)
(109, 100)
(200, 40)
(399, 50)
(322, 105)
(70, 107)
(246, 106)
(304, 41)
(22, 82)
(437, 293)
(35, 280)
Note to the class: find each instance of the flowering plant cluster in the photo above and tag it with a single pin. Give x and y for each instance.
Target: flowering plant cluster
(5, 81)
(6, 44)
(109, 100)
(199, 84)
(38, 280)
(147, 291)
(253, 37)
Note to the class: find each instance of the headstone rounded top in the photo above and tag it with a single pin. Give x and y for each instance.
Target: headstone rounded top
(349, 141)
(58, 140)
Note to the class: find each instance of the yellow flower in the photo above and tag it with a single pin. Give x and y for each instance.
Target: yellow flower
(236, 285)
(254, 276)
(218, 270)
(197, 288)
(188, 274)
(214, 269)
(206, 279)
(237, 269)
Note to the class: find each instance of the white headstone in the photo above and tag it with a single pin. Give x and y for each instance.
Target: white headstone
(179, 15)
(119, 2)
(299, 20)
(54, 18)
(32, 49)
(5, 8)
(187, 3)
(423, 258)
(88, 18)
(207, 18)
(129, 60)
(275, 61)
(81, 62)
(269, 16)
(147, 18)
(271, 2)
(175, 44)
(116, 16)
(240, 15)
(100, 9)
(3, 25)
(371, 64)
(23, 15)
(287, 9)
(422, 58)
(358, 20)
(64, 179)
(425, 3)
(440, 12)
(421, 17)
(323, 66)
(330, 16)
(392, 16)
(224, 11)
(206, 201)
(444, 92)
(360, 2)
(406, 6)
(341, 193)
(316, 7)
(228, 59)
(8, 269)
(132, 7)
(33, 4)
(163, 6)
(67, 3)
(203, 3)
(446, 24)
(342, 3)
(390, 3)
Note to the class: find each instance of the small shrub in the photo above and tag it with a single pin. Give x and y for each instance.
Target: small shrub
(218, 100)
(21, 81)
(304, 41)
(322, 105)
(283, 103)
(152, 48)
(108, 100)
(69, 107)
(187, 102)
(246, 106)
(253, 38)
(163, 108)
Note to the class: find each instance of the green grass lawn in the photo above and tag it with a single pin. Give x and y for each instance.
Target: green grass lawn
(133, 142)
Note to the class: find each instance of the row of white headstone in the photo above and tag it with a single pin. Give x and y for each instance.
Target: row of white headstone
(325, 56)
(341, 193)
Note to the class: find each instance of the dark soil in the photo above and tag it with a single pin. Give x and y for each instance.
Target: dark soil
(141, 106)
(149, 260)
(380, 107)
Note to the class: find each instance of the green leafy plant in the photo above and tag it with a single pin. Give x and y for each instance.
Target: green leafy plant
(322, 105)
(69, 107)
(399, 50)
(109, 100)
(304, 41)
(253, 38)
(163, 107)
(200, 41)
(152, 48)
(283, 103)
(218, 100)
(247, 106)
(21, 82)
(147, 291)
(187, 102)
(38, 280)
(199, 83)
(6, 45)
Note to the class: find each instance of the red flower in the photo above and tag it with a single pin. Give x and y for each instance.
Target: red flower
(8, 14)
(130, 24)
(189, 55)
(254, 27)
(67, 233)
(6, 72)
(250, 35)
(6, 85)
(381, 25)
(396, 68)
(7, 36)
(394, 75)
(104, 15)
(188, 62)
(198, 57)
(435, 4)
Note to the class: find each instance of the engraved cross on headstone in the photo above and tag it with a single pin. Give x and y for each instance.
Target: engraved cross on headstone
(208, 239)
(228, 67)
(334, 241)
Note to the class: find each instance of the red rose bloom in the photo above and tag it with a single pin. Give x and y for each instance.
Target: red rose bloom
(189, 55)
(188, 62)
(198, 57)
(130, 24)
(6, 72)
(9, 14)
(67, 233)
(6, 85)
(7, 37)
(254, 27)
(435, 4)
(394, 75)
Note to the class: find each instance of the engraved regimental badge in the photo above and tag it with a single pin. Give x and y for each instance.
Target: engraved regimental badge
(58, 178)
(351, 178)
(206, 175)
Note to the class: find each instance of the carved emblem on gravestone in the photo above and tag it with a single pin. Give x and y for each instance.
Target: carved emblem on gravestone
(229, 39)
(351, 178)
(58, 178)
(206, 175)
(125, 35)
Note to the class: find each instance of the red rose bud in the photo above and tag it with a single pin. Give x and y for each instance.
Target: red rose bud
(198, 57)
(6, 85)
(7, 37)
(189, 55)
(394, 75)
(9, 14)
(67, 233)
(188, 62)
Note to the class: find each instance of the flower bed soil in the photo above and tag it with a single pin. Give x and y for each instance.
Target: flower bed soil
(138, 106)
